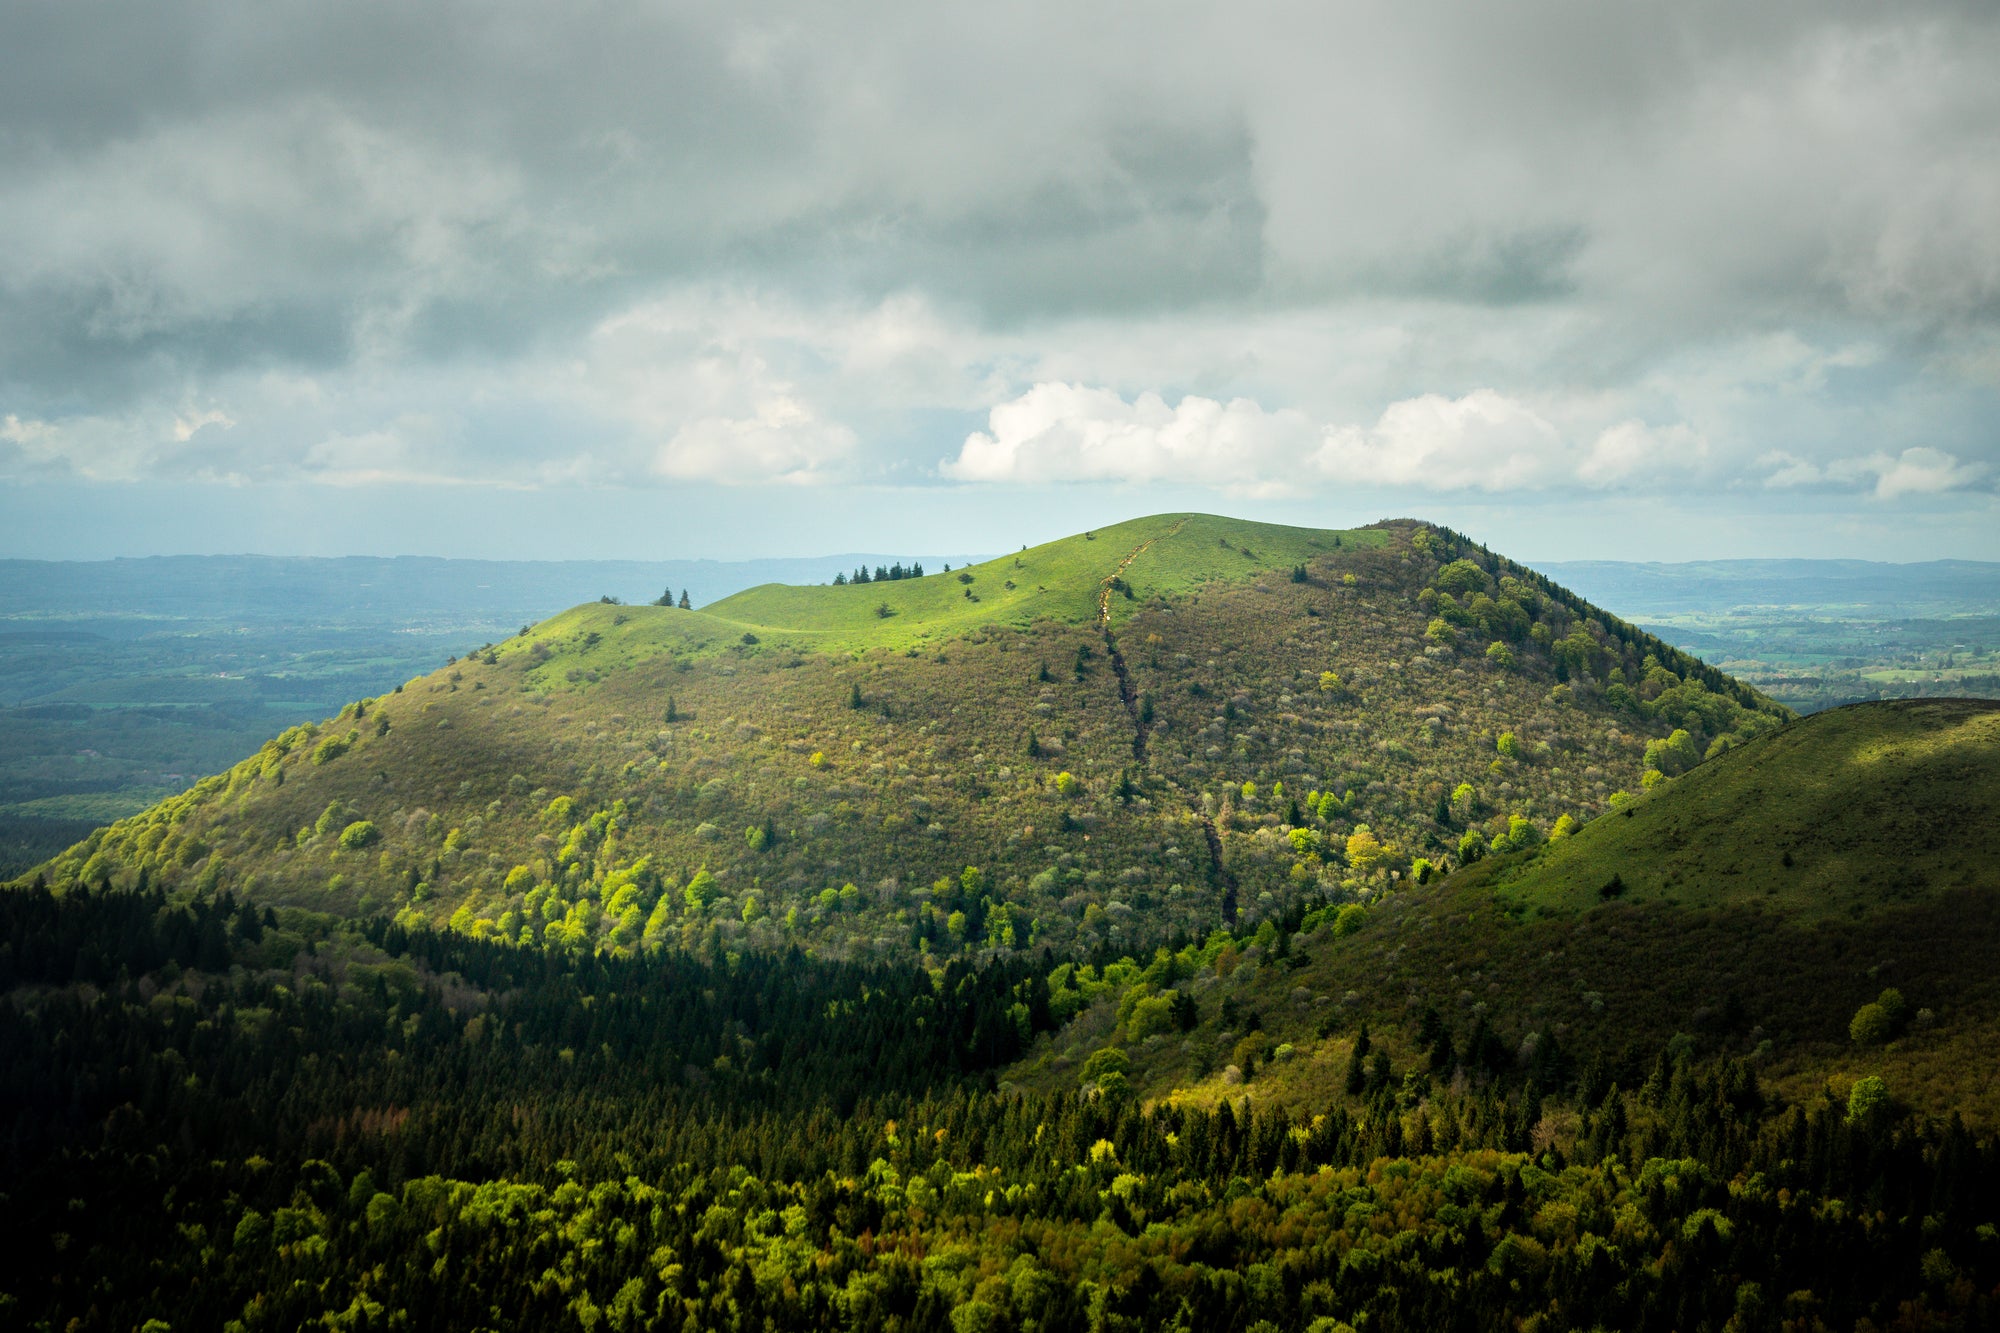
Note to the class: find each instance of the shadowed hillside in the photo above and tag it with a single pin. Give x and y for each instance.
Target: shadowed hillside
(1752, 908)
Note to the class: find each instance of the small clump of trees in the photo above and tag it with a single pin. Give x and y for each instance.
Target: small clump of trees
(882, 574)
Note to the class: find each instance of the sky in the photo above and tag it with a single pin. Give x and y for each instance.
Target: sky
(606, 279)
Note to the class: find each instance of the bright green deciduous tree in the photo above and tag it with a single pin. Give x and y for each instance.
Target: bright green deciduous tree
(1673, 756)
(1868, 1102)
(701, 891)
(1880, 1020)
(1461, 577)
(1106, 1060)
(1521, 834)
(658, 924)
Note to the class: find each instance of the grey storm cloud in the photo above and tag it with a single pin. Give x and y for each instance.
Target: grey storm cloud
(389, 240)
(460, 175)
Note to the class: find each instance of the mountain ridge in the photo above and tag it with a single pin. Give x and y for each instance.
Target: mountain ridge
(829, 761)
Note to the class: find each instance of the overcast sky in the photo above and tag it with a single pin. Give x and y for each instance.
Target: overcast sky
(610, 279)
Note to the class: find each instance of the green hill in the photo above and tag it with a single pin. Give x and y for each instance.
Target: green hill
(1128, 734)
(1866, 808)
(1749, 908)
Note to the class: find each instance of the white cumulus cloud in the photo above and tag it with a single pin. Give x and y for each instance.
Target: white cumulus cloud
(1917, 471)
(1070, 432)
(781, 441)
(1923, 471)
(1483, 440)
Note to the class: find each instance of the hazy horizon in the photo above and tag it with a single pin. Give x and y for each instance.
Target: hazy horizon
(931, 557)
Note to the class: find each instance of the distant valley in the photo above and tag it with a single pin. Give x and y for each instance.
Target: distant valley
(1818, 633)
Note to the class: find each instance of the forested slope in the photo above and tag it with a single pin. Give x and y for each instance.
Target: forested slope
(215, 1116)
(1757, 907)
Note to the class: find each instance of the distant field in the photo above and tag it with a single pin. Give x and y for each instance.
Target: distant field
(1816, 634)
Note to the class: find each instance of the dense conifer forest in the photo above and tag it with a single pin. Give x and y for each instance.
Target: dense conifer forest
(412, 1130)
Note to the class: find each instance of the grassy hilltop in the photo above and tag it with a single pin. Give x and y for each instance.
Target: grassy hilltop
(1148, 728)
(1144, 729)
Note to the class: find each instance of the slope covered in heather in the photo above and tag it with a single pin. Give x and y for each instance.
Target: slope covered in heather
(1132, 733)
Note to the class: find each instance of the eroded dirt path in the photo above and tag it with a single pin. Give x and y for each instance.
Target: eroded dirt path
(1127, 694)
(1104, 591)
(1219, 873)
